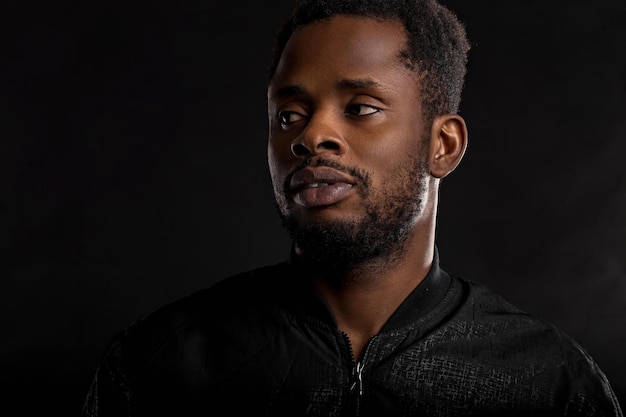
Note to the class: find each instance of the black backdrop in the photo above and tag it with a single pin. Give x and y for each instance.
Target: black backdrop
(132, 143)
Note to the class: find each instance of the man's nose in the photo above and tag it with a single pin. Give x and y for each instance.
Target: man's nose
(323, 134)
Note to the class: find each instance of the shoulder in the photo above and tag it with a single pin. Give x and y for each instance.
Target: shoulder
(499, 330)
(190, 323)
(489, 315)
(486, 306)
(509, 338)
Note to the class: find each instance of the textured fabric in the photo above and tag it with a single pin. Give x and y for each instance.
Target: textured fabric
(262, 344)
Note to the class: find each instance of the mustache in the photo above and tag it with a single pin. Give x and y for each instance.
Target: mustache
(362, 177)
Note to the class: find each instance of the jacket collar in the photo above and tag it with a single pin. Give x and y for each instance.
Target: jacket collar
(423, 299)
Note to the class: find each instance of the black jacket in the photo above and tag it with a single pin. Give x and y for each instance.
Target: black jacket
(262, 344)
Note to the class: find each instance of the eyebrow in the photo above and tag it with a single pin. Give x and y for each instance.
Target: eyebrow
(345, 84)
(290, 91)
(354, 84)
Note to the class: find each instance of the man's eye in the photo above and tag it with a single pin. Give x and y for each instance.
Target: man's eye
(361, 110)
(288, 117)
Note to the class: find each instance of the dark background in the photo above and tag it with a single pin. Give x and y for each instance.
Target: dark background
(132, 147)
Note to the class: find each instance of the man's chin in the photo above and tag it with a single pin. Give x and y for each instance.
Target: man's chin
(341, 245)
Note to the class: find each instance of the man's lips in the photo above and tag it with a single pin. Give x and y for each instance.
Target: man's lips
(319, 186)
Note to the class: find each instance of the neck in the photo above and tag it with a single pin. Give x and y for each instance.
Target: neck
(364, 297)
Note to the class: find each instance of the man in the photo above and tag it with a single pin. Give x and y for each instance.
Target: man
(360, 320)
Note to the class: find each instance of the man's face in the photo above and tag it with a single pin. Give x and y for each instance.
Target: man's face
(346, 149)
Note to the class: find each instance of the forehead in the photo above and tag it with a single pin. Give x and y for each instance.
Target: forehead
(344, 47)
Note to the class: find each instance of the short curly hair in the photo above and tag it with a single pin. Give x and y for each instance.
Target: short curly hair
(437, 46)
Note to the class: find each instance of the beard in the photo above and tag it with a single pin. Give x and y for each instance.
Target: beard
(379, 236)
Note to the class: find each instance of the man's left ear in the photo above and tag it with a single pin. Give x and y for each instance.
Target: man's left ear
(447, 145)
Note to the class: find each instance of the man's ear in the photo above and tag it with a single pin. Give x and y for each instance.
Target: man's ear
(448, 142)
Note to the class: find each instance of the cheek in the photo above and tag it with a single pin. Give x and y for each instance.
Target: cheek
(273, 166)
(278, 164)
(385, 152)
(387, 160)
(277, 178)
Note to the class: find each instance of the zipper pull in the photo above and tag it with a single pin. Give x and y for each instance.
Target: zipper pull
(357, 373)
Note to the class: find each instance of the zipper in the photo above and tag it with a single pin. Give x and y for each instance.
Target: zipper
(357, 368)
(356, 386)
(357, 375)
